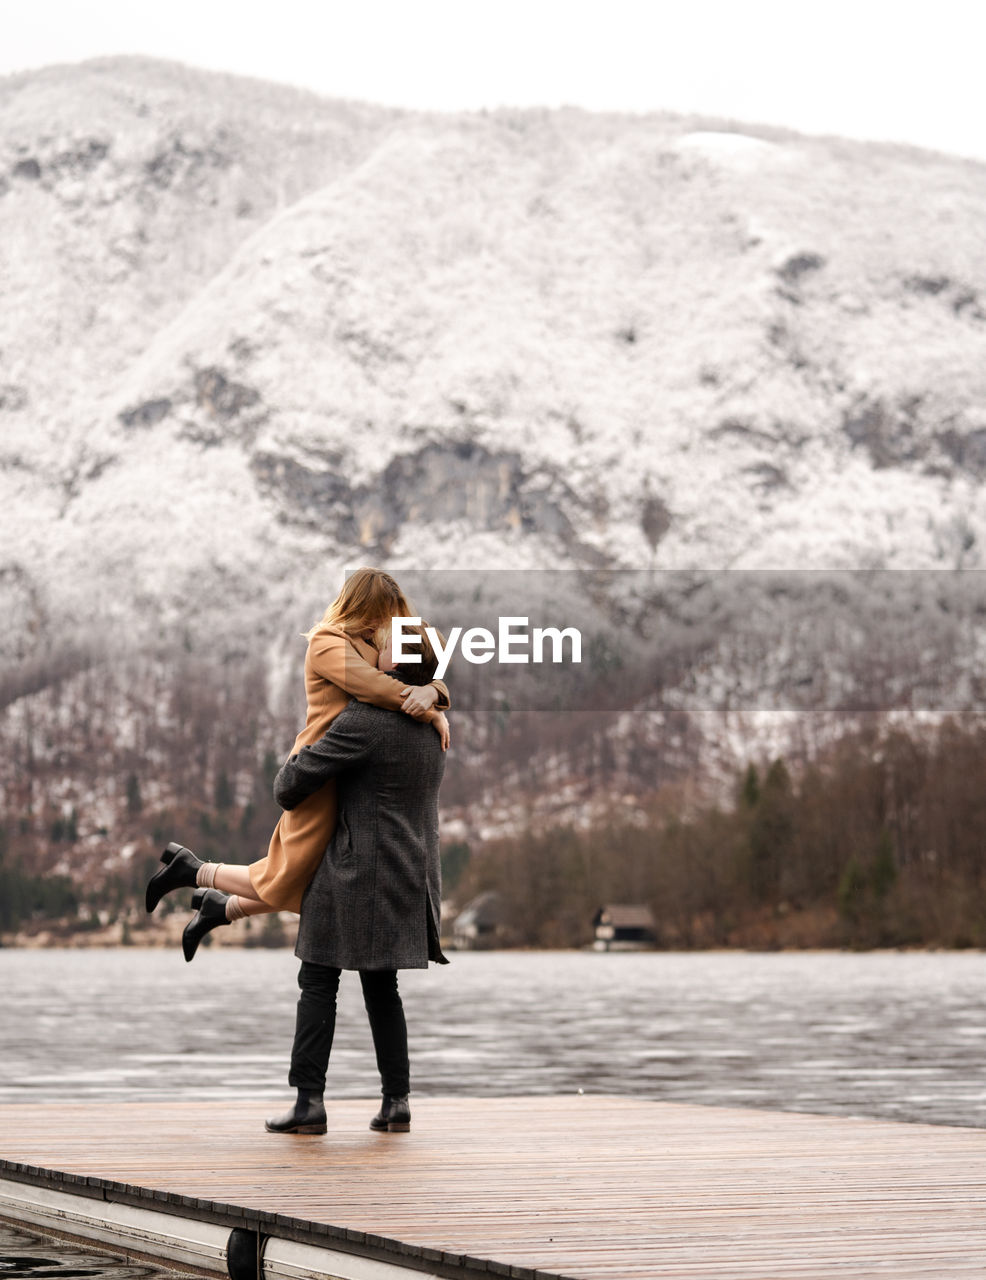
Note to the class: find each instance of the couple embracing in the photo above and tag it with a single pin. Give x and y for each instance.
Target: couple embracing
(356, 848)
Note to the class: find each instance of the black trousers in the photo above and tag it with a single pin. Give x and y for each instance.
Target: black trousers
(316, 1022)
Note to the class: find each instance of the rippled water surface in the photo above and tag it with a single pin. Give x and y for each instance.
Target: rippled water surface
(24, 1255)
(900, 1036)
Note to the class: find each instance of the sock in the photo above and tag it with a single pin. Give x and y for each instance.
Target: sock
(205, 877)
(233, 909)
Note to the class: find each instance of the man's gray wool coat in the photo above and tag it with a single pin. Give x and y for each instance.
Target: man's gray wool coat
(375, 900)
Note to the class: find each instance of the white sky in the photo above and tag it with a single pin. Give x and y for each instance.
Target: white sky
(892, 69)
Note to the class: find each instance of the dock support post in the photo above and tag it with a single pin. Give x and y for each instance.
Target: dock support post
(243, 1254)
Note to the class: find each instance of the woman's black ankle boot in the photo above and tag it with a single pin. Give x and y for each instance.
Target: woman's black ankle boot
(179, 872)
(210, 912)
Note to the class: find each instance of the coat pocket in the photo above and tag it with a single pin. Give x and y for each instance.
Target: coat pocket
(341, 855)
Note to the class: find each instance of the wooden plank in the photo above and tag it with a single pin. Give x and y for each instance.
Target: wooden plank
(594, 1187)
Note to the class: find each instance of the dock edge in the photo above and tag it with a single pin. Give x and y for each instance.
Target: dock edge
(207, 1238)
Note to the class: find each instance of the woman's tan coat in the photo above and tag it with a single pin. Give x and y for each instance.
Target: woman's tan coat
(337, 667)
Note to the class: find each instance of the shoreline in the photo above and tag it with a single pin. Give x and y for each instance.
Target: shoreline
(165, 942)
(159, 935)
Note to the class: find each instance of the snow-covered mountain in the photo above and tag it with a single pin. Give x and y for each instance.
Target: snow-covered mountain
(251, 337)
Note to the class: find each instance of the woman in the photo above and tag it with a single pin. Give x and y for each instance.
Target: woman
(341, 662)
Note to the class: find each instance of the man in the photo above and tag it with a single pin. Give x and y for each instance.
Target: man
(374, 904)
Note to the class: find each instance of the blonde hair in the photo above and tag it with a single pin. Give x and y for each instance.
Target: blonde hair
(367, 598)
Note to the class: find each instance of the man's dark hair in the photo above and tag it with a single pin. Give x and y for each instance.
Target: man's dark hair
(422, 672)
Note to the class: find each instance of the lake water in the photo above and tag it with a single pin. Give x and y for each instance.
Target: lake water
(27, 1256)
(895, 1035)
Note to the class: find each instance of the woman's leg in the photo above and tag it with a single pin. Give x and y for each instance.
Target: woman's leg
(233, 879)
(248, 907)
(230, 878)
(389, 1028)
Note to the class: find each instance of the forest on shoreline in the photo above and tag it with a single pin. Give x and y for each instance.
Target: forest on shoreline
(880, 841)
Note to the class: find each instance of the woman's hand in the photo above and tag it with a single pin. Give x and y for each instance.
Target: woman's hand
(440, 724)
(419, 700)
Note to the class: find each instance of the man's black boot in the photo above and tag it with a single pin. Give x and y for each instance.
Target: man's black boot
(394, 1115)
(306, 1116)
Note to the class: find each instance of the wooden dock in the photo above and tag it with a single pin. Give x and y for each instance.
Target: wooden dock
(598, 1188)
